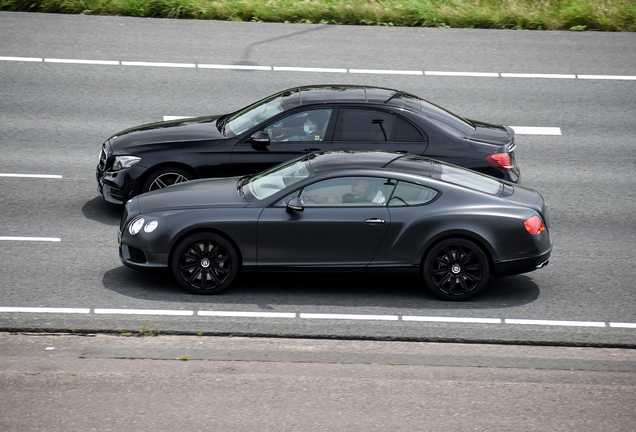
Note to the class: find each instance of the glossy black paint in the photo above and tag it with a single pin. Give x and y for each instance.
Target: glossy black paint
(204, 147)
(269, 235)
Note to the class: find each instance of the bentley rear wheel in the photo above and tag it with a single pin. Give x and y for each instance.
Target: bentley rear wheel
(455, 269)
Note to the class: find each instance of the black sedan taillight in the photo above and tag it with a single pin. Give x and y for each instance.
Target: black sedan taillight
(501, 160)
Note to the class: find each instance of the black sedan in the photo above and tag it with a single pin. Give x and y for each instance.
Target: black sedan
(291, 123)
(343, 211)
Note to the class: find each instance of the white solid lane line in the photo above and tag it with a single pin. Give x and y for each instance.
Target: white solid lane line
(306, 69)
(35, 239)
(349, 316)
(143, 312)
(607, 77)
(555, 323)
(463, 74)
(385, 72)
(153, 64)
(45, 176)
(247, 314)
(238, 67)
(530, 75)
(87, 62)
(452, 319)
(46, 310)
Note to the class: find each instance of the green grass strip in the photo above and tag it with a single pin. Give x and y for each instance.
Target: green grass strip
(605, 15)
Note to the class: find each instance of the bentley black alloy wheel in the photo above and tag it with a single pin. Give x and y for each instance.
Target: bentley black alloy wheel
(204, 263)
(455, 269)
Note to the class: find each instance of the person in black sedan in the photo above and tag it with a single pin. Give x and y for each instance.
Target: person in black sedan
(314, 127)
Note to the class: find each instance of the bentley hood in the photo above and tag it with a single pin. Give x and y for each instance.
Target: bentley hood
(220, 192)
(174, 132)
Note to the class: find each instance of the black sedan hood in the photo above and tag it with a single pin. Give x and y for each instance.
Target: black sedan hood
(135, 140)
(220, 192)
(493, 134)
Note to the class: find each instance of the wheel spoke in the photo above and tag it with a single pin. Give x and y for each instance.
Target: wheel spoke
(158, 183)
(193, 276)
(467, 258)
(451, 288)
(188, 267)
(214, 277)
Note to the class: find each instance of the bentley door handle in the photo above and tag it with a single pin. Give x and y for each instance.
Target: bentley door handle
(375, 221)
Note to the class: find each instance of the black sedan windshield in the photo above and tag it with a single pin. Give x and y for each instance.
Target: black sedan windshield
(254, 114)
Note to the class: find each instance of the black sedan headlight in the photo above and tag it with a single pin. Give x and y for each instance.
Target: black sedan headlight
(122, 162)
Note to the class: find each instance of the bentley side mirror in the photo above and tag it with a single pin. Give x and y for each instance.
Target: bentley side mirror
(295, 204)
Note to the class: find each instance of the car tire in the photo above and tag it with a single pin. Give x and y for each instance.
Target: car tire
(204, 263)
(165, 177)
(455, 269)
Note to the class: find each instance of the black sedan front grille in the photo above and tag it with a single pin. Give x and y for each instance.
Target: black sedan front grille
(103, 159)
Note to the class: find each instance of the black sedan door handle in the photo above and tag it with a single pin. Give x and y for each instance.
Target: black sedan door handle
(375, 221)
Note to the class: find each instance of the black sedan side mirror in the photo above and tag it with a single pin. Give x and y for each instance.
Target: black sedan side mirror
(295, 204)
(260, 138)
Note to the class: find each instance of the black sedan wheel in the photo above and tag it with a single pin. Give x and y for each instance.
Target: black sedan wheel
(455, 269)
(204, 263)
(165, 177)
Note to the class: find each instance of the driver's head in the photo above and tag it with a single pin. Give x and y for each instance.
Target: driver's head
(316, 119)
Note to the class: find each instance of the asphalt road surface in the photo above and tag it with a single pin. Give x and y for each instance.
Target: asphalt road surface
(69, 82)
(192, 383)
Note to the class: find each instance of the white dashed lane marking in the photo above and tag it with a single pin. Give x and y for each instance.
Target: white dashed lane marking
(322, 316)
(319, 70)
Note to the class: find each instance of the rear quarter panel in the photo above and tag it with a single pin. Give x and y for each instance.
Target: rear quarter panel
(492, 223)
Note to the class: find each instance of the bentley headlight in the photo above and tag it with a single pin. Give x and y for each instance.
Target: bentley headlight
(136, 225)
(151, 226)
(122, 162)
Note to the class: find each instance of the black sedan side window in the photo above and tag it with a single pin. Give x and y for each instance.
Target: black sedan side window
(377, 126)
(367, 125)
(303, 126)
(409, 194)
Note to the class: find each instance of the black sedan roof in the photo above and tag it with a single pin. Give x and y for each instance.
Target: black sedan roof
(351, 93)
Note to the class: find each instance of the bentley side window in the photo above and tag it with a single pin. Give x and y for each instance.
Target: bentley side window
(348, 191)
(409, 194)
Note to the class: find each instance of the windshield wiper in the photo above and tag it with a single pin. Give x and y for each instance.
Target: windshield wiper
(240, 183)
(220, 123)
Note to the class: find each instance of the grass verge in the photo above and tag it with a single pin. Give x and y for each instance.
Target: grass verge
(605, 15)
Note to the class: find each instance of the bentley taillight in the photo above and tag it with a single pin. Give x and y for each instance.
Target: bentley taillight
(501, 160)
(534, 225)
